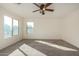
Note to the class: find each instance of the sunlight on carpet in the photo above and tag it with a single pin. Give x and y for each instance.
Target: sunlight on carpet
(17, 52)
(31, 51)
(56, 46)
(28, 50)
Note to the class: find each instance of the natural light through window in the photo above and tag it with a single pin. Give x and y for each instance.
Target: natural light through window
(15, 27)
(7, 26)
(30, 51)
(30, 26)
(56, 46)
(16, 52)
(26, 50)
(10, 27)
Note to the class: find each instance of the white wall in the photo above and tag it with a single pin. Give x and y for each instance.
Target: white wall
(49, 28)
(6, 42)
(70, 28)
(43, 29)
(66, 28)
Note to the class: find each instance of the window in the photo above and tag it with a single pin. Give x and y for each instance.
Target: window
(30, 26)
(7, 26)
(10, 27)
(15, 27)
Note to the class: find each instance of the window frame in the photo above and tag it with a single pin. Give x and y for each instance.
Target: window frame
(28, 27)
(11, 27)
(18, 28)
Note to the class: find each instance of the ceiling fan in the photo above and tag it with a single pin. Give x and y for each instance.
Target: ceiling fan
(43, 8)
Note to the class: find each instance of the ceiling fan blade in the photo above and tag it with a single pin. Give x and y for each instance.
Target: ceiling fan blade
(42, 6)
(48, 4)
(36, 5)
(49, 10)
(36, 10)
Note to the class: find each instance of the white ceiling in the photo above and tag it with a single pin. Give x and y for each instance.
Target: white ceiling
(25, 9)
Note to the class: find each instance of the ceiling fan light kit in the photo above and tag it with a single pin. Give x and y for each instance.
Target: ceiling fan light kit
(43, 8)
